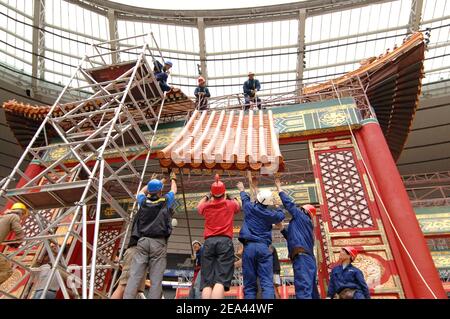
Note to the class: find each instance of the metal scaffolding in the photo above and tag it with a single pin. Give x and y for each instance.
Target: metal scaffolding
(101, 116)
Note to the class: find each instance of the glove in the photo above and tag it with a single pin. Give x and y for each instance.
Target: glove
(173, 176)
(174, 222)
(229, 197)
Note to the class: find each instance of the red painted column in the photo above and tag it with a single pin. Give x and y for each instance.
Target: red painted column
(32, 170)
(392, 191)
(390, 235)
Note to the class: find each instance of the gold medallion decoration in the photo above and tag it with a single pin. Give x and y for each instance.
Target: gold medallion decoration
(373, 268)
(57, 153)
(333, 118)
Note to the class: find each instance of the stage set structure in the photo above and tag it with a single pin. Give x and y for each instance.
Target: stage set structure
(90, 153)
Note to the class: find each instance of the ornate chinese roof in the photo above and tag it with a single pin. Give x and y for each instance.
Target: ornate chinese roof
(225, 140)
(393, 83)
(24, 119)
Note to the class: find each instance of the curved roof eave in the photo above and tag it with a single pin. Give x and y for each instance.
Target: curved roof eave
(222, 16)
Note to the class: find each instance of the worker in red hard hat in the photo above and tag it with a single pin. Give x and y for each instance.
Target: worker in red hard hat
(300, 238)
(218, 251)
(346, 280)
(202, 94)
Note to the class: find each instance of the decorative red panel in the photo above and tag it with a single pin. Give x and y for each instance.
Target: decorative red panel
(106, 234)
(349, 217)
(343, 189)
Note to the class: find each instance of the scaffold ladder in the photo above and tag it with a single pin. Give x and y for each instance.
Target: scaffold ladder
(104, 109)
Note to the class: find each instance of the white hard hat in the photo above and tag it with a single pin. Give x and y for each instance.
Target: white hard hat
(196, 242)
(265, 197)
(174, 222)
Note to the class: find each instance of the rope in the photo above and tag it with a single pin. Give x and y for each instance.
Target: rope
(186, 212)
(381, 200)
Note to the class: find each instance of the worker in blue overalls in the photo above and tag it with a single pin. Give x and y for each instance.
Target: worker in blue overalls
(202, 94)
(162, 73)
(347, 281)
(256, 235)
(300, 238)
(250, 88)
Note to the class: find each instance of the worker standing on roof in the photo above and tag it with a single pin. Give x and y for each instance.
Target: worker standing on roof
(251, 87)
(153, 228)
(218, 250)
(256, 235)
(300, 238)
(11, 222)
(202, 94)
(162, 73)
(347, 281)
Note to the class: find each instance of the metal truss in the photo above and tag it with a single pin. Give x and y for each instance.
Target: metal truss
(351, 87)
(427, 178)
(429, 196)
(123, 102)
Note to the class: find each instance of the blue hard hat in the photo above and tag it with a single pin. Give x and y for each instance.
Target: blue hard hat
(168, 62)
(155, 185)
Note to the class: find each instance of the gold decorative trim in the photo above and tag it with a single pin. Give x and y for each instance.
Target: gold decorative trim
(385, 240)
(369, 189)
(362, 232)
(319, 191)
(311, 152)
(398, 283)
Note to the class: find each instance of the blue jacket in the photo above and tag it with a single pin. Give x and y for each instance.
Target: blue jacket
(204, 89)
(258, 220)
(250, 85)
(198, 257)
(350, 277)
(300, 232)
(161, 76)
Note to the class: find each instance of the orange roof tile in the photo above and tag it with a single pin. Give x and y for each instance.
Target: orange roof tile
(176, 103)
(229, 140)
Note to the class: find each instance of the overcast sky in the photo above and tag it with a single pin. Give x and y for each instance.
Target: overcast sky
(201, 4)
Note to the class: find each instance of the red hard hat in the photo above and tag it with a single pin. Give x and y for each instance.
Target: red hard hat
(310, 209)
(217, 188)
(351, 251)
(201, 79)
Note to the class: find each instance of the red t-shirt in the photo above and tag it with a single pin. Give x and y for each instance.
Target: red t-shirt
(219, 215)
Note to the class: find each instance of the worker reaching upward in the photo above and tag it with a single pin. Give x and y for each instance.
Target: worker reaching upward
(153, 228)
(256, 235)
(300, 239)
(11, 221)
(347, 281)
(251, 87)
(202, 94)
(218, 251)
